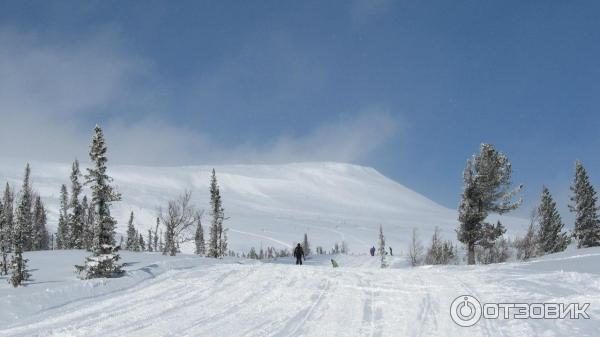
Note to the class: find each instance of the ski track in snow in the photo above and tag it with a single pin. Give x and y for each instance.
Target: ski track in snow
(186, 296)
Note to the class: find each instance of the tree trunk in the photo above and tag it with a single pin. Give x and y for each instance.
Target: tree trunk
(471, 247)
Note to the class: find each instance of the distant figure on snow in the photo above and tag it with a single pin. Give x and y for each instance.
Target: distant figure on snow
(298, 254)
(334, 263)
(391, 251)
(372, 251)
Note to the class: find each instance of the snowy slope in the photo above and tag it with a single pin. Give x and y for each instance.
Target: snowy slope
(271, 205)
(192, 296)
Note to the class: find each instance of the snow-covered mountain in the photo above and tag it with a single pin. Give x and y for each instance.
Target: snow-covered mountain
(269, 205)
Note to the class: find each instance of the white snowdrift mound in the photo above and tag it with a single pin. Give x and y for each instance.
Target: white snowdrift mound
(270, 205)
(191, 296)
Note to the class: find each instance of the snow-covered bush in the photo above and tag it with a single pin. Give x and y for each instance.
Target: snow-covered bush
(103, 263)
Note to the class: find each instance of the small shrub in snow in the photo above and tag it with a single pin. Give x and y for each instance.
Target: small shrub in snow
(415, 249)
(440, 252)
(381, 250)
(103, 263)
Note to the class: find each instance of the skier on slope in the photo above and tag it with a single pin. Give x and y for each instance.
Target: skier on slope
(299, 254)
(372, 251)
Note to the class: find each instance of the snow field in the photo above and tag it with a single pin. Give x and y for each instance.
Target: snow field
(191, 296)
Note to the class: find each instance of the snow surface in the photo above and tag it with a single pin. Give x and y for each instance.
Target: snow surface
(271, 205)
(192, 296)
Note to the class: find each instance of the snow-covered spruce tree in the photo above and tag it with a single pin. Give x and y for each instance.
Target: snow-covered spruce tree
(261, 254)
(223, 242)
(161, 243)
(135, 245)
(63, 234)
(415, 249)
(306, 245)
(199, 239)
(22, 220)
(141, 243)
(179, 220)
(583, 204)
(434, 252)
(487, 181)
(3, 240)
(26, 199)
(150, 241)
(491, 244)
(527, 245)
(75, 217)
(170, 246)
(344, 247)
(7, 227)
(551, 238)
(131, 236)
(218, 240)
(104, 260)
(381, 250)
(440, 252)
(40, 238)
(88, 223)
(252, 254)
(156, 248)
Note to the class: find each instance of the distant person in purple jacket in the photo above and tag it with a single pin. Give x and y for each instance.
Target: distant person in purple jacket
(372, 251)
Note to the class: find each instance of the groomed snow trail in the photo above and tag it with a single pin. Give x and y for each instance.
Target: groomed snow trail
(271, 299)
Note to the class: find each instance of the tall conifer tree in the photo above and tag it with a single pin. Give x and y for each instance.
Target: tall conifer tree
(199, 239)
(26, 199)
(131, 234)
(22, 227)
(104, 261)
(487, 181)
(75, 218)
(583, 204)
(40, 232)
(7, 227)
(218, 237)
(63, 233)
(551, 238)
(381, 249)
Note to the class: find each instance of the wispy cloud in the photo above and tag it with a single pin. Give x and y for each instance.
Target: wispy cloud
(52, 93)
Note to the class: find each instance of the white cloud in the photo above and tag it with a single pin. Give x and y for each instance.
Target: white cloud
(52, 93)
(346, 140)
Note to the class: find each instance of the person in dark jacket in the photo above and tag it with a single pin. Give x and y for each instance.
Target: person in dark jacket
(372, 251)
(299, 254)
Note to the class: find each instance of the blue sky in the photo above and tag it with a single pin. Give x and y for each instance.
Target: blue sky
(410, 88)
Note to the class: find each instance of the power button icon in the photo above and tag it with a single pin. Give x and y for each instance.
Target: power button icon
(465, 310)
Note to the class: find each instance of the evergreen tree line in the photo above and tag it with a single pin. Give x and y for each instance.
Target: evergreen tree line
(21, 229)
(268, 253)
(487, 189)
(338, 248)
(135, 239)
(183, 223)
(76, 216)
(273, 253)
(82, 224)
